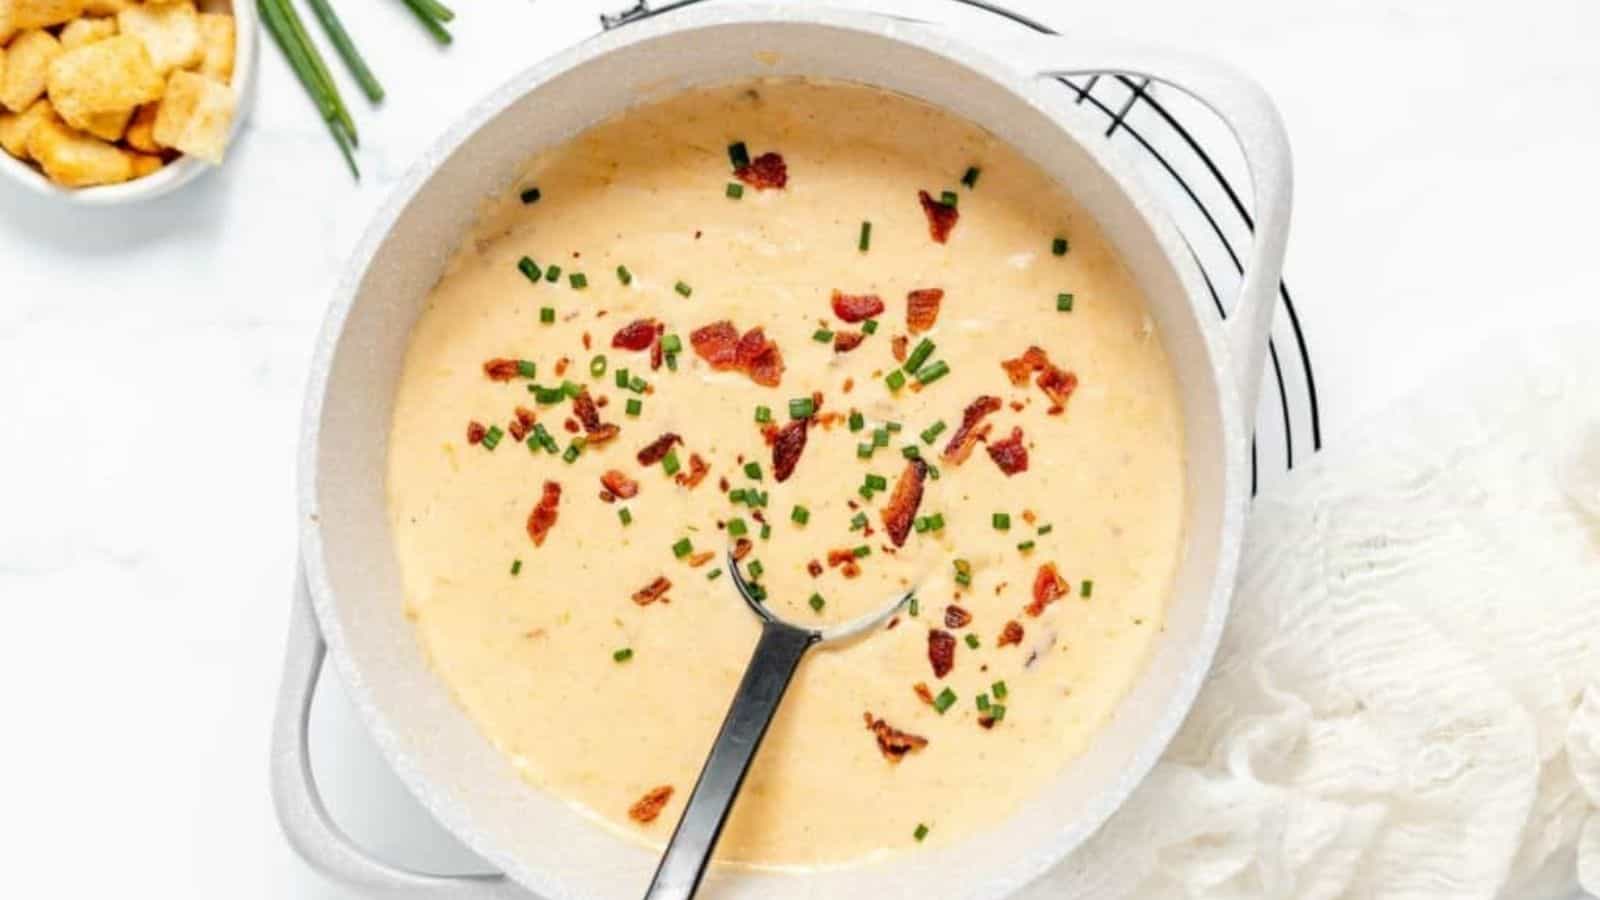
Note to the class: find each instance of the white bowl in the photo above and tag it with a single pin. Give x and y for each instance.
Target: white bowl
(180, 171)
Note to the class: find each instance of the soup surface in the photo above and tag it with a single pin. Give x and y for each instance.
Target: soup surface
(563, 556)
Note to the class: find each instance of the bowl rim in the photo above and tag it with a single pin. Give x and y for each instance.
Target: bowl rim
(180, 171)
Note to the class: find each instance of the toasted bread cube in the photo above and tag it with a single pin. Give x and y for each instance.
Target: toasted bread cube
(170, 32)
(141, 131)
(15, 127)
(144, 164)
(217, 37)
(113, 75)
(196, 116)
(105, 7)
(28, 60)
(2, 63)
(8, 22)
(86, 31)
(74, 159)
(109, 126)
(26, 14)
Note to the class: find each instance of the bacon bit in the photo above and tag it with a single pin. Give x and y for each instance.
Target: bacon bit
(840, 557)
(525, 417)
(722, 484)
(571, 425)
(650, 805)
(1029, 516)
(901, 510)
(583, 406)
(1010, 634)
(658, 448)
(603, 434)
(956, 617)
(586, 340)
(607, 497)
(1048, 586)
(500, 369)
(829, 419)
(986, 721)
(517, 430)
(786, 448)
(656, 354)
(765, 171)
(1017, 405)
(741, 548)
(561, 365)
(544, 513)
(1010, 455)
(851, 569)
(1058, 385)
(849, 385)
(845, 341)
(941, 219)
(721, 345)
(636, 335)
(697, 560)
(698, 468)
(856, 307)
(968, 435)
(897, 346)
(716, 343)
(922, 309)
(814, 568)
(655, 590)
(619, 484)
(1032, 360)
(893, 743)
(893, 624)
(475, 432)
(923, 692)
(602, 401)
(941, 652)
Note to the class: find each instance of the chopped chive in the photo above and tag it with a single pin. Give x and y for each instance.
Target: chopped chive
(861, 551)
(865, 492)
(972, 641)
(983, 702)
(880, 437)
(936, 522)
(931, 433)
(910, 451)
(634, 406)
(870, 326)
(683, 288)
(736, 495)
(491, 439)
(857, 420)
(921, 524)
(893, 426)
(1064, 303)
(672, 362)
(622, 378)
(752, 470)
(546, 396)
(763, 414)
(734, 190)
(625, 516)
(945, 700)
(802, 408)
(682, 548)
(912, 606)
(919, 355)
(755, 568)
(571, 388)
(998, 689)
(864, 451)
(529, 269)
(948, 198)
(822, 336)
(933, 372)
(817, 603)
(1046, 528)
(970, 179)
(921, 832)
(1088, 588)
(865, 240)
(1026, 546)
(526, 368)
(739, 155)
(671, 344)
(552, 274)
(516, 567)
(800, 515)
(623, 655)
(1001, 521)
(877, 482)
(597, 366)
(997, 712)
(624, 276)
(578, 280)
(758, 593)
(531, 195)
(896, 380)
(637, 384)
(766, 531)
(547, 314)
(858, 521)
(543, 437)
(737, 527)
(670, 462)
(713, 575)
(573, 451)
(1059, 246)
(963, 573)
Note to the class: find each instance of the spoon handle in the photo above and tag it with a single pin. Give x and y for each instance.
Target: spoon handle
(767, 676)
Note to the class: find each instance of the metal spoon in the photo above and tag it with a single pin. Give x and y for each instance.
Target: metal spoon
(766, 677)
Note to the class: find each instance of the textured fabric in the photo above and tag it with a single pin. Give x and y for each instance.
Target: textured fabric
(1406, 703)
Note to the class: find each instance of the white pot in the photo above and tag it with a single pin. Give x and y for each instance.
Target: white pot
(351, 578)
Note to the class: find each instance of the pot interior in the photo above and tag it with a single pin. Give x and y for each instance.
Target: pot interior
(539, 840)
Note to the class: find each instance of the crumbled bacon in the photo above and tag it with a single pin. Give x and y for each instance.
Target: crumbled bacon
(696, 560)
(923, 692)
(1010, 454)
(517, 430)
(893, 743)
(655, 590)
(1029, 516)
(901, 510)
(656, 449)
(1058, 385)
(741, 548)
(1010, 634)
(814, 568)
(786, 448)
(602, 434)
(765, 171)
(721, 345)
(986, 721)
(571, 425)
(583, 407)
(544, 513)
(696, 474)
(500, 369)
(716, 343)
(636, 335)
(969, 433)
(897, 346)
(650, 805)
(475, 432)
(856, 307)
(525, 417)
(941, 218)
(586, 340)
(956, 617)
(561, 365)
(840, 557)
(845, 341)
(1048, 586)
(1032, 360)
(922, 309)
(619, 484)
(941, 652)
(656, 354)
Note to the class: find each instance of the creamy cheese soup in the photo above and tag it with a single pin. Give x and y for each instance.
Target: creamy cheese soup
(564, 567)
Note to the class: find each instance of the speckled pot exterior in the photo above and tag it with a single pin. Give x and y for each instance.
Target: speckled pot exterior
(351, 580)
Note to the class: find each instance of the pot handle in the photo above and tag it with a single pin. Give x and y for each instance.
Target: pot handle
(1255, 123)
(305, 820)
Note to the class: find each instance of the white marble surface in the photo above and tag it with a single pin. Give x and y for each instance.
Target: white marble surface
(153, 359)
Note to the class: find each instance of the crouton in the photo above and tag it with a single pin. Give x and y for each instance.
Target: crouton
(27, 14)
(28, 60)
(113, 75)
(141, 131)
(15, 127)
(74, 159)
(105, 7)
(108, 126)
(144, 164)
(217, 39)
(170, 32)
(196, 116)
(86, 31)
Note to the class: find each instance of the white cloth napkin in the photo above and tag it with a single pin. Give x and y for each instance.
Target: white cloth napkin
(1406, 703)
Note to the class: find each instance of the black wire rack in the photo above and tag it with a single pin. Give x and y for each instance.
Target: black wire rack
(1177, 145)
